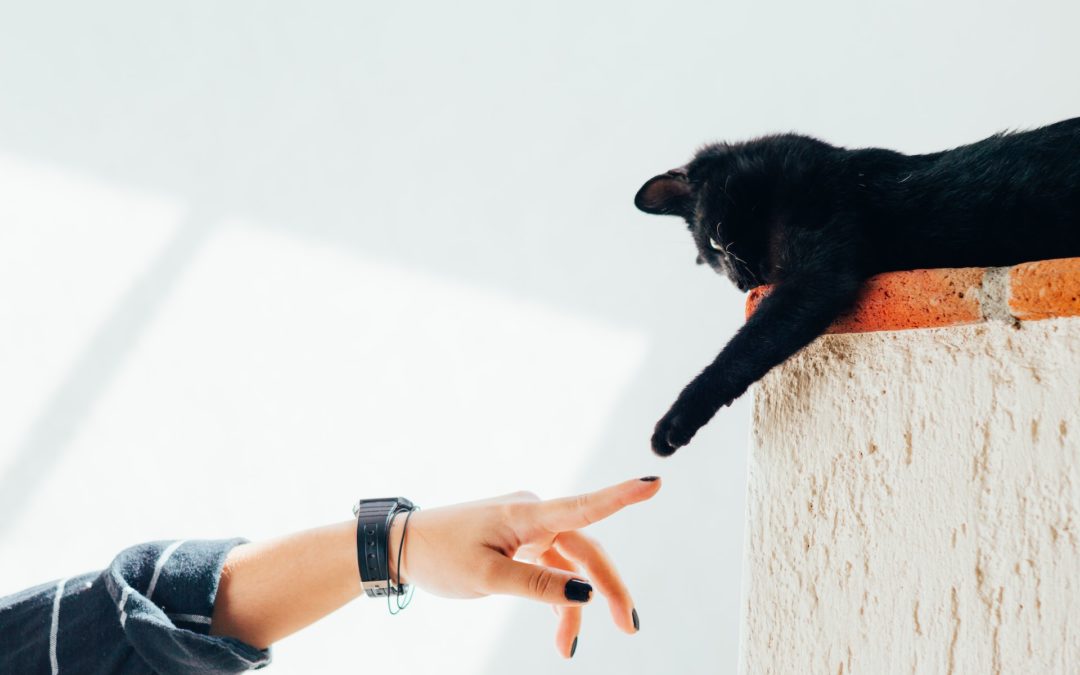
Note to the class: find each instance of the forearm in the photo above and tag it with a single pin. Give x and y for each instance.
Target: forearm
(271, 589)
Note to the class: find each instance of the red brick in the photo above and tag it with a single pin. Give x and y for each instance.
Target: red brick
(1045, 289)
(904, 300)
(951, 297)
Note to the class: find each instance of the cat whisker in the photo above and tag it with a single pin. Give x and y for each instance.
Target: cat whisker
(727, 250)
(738, 260)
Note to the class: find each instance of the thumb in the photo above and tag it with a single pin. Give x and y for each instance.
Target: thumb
(535, 582)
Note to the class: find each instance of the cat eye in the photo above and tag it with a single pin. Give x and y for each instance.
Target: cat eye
(716, 245)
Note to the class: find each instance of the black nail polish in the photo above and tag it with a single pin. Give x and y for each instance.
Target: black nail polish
(649, 479)
(573, 647)
(577, 590)
(637, 623)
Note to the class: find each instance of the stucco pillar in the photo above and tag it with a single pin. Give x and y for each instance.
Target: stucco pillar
(914, 495)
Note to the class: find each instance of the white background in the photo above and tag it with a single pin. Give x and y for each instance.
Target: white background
(260, 259)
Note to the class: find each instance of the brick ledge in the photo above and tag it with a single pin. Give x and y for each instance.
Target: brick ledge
(955, 297)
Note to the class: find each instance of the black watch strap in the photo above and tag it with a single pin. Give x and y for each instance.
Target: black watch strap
(373, 518)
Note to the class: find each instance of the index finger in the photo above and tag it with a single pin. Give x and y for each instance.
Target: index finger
(573, 513)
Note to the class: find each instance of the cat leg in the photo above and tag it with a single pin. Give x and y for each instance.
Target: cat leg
(798, 310)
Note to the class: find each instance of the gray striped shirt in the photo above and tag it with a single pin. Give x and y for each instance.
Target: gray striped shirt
(148, 612)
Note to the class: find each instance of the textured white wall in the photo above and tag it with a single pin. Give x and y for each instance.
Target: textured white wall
(914, 505)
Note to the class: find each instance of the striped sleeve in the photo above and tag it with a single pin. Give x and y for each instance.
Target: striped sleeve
(148, 612)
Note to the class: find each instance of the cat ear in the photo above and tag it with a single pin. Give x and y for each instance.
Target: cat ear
(668, 193)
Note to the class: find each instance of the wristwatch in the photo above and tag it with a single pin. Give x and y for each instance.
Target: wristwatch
(373, 518)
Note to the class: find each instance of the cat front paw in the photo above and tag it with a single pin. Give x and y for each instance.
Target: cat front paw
(678, 426)
(671, 433)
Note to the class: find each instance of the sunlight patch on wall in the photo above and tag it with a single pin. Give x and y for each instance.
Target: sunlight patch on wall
(285, 379)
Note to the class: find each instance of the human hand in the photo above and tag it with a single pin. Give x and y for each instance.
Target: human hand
(520, 545)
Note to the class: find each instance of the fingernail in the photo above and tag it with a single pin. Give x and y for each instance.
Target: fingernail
(637, 623)
(649, 479)
(577, 590)
(573, 647)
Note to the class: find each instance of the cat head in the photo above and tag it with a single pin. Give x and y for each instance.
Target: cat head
(715, 199)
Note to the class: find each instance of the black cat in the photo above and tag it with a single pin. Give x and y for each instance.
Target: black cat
(816, 220)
